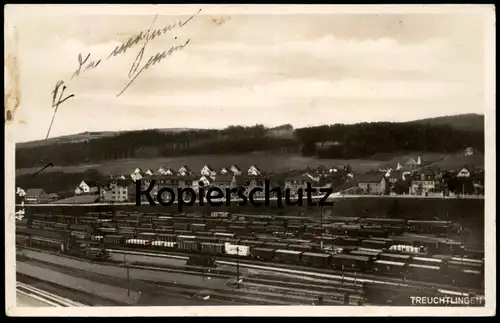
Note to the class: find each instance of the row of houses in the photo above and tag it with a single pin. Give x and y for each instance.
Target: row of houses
(402, 180)
(184, 170)
(423, 182)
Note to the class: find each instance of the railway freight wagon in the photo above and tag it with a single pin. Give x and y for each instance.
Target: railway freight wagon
(212, 248)
(287, 256)
(321, 260)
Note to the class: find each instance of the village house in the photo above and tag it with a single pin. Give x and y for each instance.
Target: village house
(87, 187)
(254, 171)
(235, 170)
(184, 171)
(469, 151)
(423, 182)
(464, 173)
(294, 183)
(136, 175)
(172, 182)
(35, 196)
(118, 190)
(203, 179)
(208, 171)
(224, 182)
(414, 164)
(372, 184)
(148, 172)
(251, 182)
(165, 171)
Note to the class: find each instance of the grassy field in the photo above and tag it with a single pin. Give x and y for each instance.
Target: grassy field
(275, 163)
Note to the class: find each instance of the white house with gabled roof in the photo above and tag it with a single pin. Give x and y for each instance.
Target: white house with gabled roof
(254, 171)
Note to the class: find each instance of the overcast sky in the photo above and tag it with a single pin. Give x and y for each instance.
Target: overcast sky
(303, 69)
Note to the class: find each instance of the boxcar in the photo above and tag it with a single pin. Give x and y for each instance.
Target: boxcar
(300, 247)
(466, 265)
(343, 261)
(427, 261)
(237, 228)
(275, 245)
(47, 243)
(395, 230)
(475, 253)
(160, 244)
(80, 235)
(316, 259)
(188, 245)
(106, 231)
(78, 227)
(166, 237)
(375, 244)
(453, 247)
(137, 242)
(212, 248)
(165, 231)
(372, 254)
(389, 267)
(258, 228)
(394, 257)
(114, 239)
(287, 256)
(236, 250)
(254, 243)
(371, 232)
(127, 234)
(266, 254)
(344, 241)
(424, 272)
(149, 236)
(198, 227)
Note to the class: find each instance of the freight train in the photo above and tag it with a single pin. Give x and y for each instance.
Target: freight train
(392, 260)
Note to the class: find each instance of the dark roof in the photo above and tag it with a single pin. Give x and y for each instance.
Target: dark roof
(167, 177)
(209, 167)
(298, 178)
(369, 178)
(245, 179)
(91, 183)
(235, 166)
(257, 168)
(34, 192)
(223, 179)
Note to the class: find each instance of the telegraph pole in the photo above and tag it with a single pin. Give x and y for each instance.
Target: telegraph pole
(237, 265)
(321, 224)
(128, 274)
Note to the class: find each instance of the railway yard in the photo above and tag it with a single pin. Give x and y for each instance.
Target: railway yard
(226, 258)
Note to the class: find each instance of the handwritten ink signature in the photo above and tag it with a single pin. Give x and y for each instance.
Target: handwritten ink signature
(58, 93)
(58, 98)
(149, 35)
(81, 62)
(134, 73)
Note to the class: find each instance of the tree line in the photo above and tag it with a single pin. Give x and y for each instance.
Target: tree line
(353, 141)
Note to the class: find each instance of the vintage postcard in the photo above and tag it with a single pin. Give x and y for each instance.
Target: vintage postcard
(230, 160)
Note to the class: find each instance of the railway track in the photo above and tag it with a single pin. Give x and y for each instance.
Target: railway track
(347, 277)
(46, 297)
(252, 293)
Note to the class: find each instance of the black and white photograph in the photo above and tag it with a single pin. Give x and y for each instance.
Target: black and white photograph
(216, 160)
